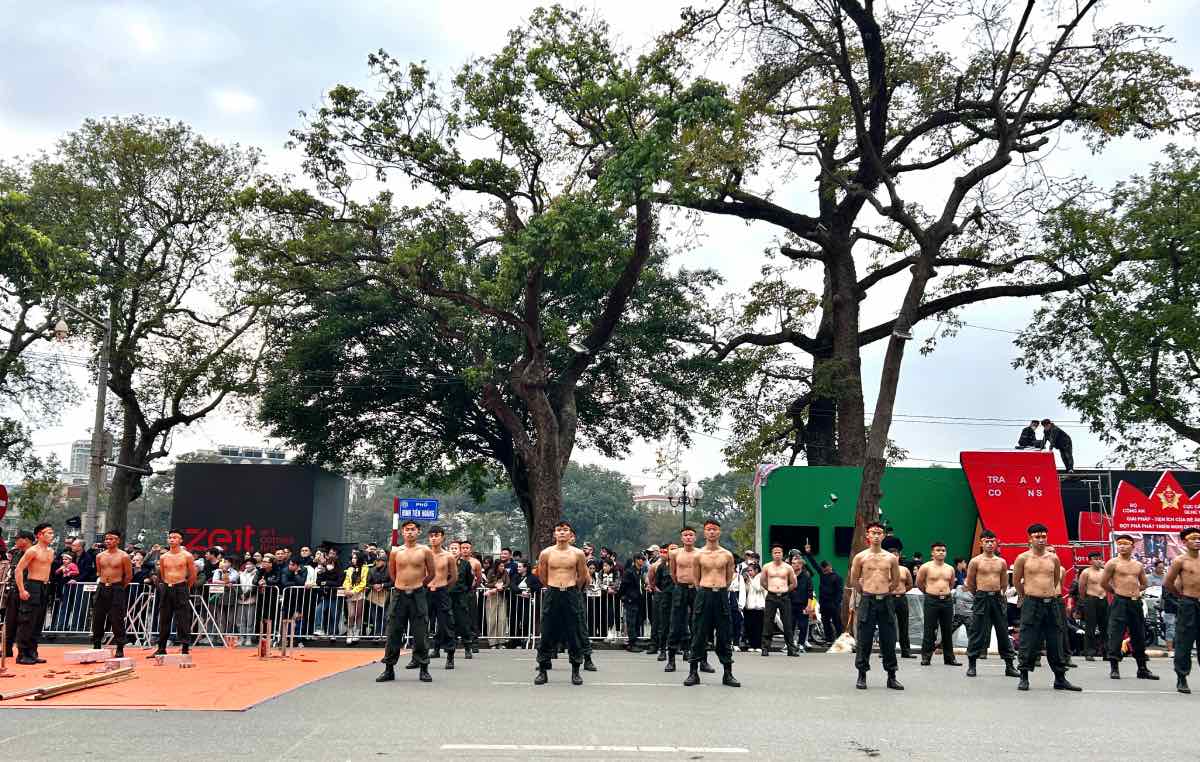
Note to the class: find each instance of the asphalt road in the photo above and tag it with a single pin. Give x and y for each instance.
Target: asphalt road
(788, 708)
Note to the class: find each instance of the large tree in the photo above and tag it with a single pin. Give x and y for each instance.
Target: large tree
(152, 205)
(924, 126)
(1126, 347)
(527, 306)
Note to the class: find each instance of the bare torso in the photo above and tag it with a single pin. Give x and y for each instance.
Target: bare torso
(562, 566)
(113, 567)
(38, 566)
(684, 563)
(1091, 582)
(443, 565)
(937, 576)
(1038, 573)
(1126, 576)
(173, 566)
(877, 571)
(1186, 573)
(716, 567)
(990, 573)
(901, 582)
(779, 577)
(411, 566)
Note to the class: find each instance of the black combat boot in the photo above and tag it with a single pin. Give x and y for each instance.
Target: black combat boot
(893, 683)
(1062, 684)
(693, 677)
(576, 678)
(728, 679)
(588, 666)
(970, 666)
(389, 673)
(1023, 683)
(450, 659)
(424, 675)
(862, 680)
(670, 661)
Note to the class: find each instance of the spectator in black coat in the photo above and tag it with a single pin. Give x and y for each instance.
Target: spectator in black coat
(829, 597)
(800, 599)
(631, 593)
(1057, 439)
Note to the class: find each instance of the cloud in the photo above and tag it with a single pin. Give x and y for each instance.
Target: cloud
(145, 38)
(233, 102)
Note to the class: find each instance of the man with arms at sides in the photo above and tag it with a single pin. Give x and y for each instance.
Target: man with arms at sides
(12, 601)
(660, 586)
(461, 591)
(1094, 600)
(32, 576)
(713, 567)
(114, 573)
(682, 562)
(779, 580)
(900, 587)
(581, 625)
(935, 579)
(412, 567)
(177, 576)
(466, 550)
(987, 578)
(562, 568)
(444, 576)
(874, 573)
(1036, 575)
(1183, 581)
(1125, 578)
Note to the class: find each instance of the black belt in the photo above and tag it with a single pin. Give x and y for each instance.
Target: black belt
(1041, 599)
(562, 589)
(879, 596)
(986, 592)
(723, 589)
(1129, 598)
(685, 585)
(408, 592)
(1191, 598)
(945, 597)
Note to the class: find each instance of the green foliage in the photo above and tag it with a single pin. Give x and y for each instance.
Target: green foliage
(1126, 347)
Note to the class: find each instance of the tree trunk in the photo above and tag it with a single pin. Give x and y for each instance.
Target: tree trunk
(845, 367)
(545, 487)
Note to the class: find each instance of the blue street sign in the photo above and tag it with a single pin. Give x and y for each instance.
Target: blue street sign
(417, 510)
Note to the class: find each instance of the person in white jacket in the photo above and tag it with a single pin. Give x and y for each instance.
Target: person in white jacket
(752, 600)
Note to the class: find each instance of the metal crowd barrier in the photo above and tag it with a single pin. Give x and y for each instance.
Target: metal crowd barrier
(240, 615)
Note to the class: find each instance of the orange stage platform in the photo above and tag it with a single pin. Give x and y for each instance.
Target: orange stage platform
(223, 679)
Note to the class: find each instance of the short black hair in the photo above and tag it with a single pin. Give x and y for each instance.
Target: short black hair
(564, 523)
(873, 524)
(938, 544)
(892, 543)
(25, 534)
(1120, 537)
(987, 534)
(1183, 533)
(825, 565)
(687, 529)
(406, 522)
(776, 545)
(465, 541)
(1045, 421)
(38, 529)
(1035, 528)
(711, 520)
(508, 549)
(175, 531)
(114, 532)
(1095, 554)
(1034, 422)
(437, 529)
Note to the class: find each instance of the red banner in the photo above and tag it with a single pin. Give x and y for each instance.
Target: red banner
(1016, 488)
(1167, 510)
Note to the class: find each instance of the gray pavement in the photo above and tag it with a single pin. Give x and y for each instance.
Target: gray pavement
(788, 708)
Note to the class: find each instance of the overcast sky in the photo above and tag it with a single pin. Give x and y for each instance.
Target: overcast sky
(241, 72)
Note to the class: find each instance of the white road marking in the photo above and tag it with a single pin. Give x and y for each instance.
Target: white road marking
(1104, 690)
(574, 747)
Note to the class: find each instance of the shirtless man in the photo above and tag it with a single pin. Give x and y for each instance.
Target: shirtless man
(466, 551)
(114, 572)
(411, 566)
(935, 579)
(1183, 581)
(1093, 598)
(177, 576)
(713, 568)
(461, 591)
(1036, 575)
(779, 580)
(33, 585)
(682, 563)
(987, 578)
(1125, 578)
(22, 543)
(445, 574)
(900, 587)
(562, 568)
(874, 573)
(659, 584)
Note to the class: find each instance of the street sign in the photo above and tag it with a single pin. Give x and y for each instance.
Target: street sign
(417, 510)
(3, 500)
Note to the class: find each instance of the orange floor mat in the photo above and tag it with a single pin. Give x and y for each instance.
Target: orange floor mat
(223, 679)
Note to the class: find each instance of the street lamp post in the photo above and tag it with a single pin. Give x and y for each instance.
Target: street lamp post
(683, 493)
(96, 465)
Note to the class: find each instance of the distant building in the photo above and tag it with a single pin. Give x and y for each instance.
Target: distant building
(246, 455)
(81, 462)
(646, 498)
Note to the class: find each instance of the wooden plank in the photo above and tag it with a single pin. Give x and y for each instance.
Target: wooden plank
(82, 682)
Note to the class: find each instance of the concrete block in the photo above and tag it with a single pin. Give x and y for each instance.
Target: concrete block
(121, 663)
(173, 660)
(88, 656)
